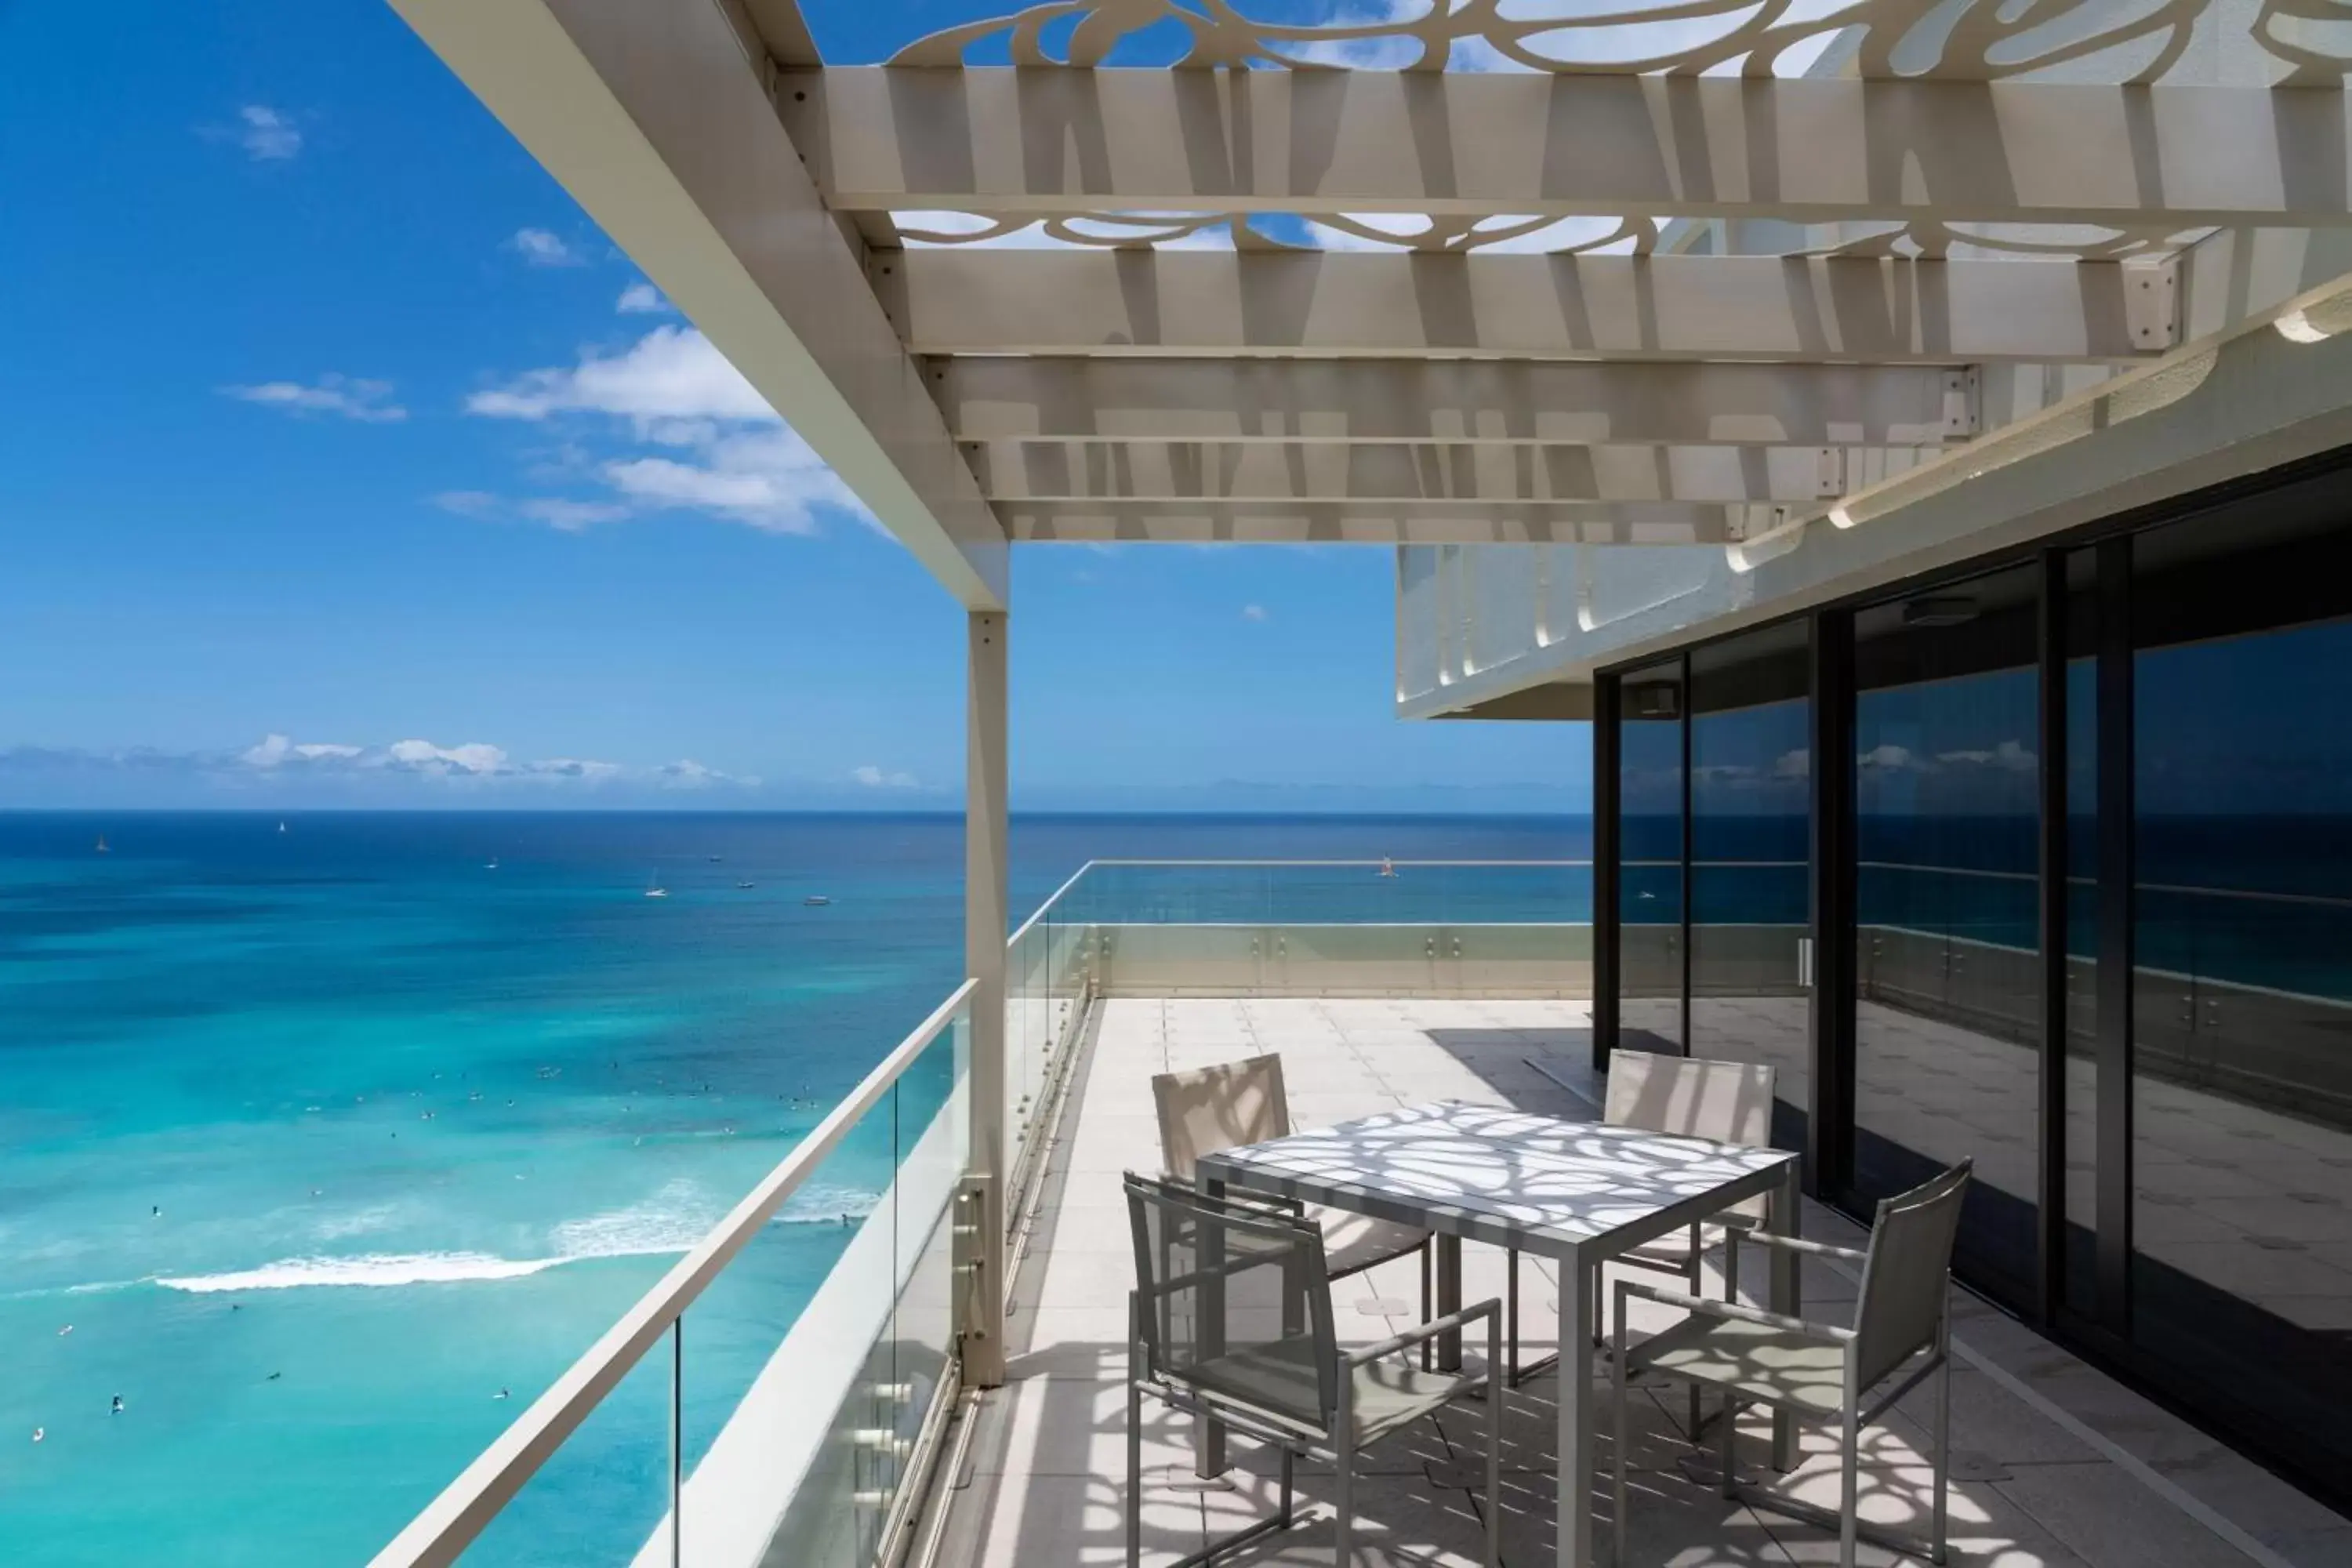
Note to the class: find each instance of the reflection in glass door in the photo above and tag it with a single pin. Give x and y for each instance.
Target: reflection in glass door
(2240, 1112)
(1751, 828)
(1947, 940)
(1650, 847)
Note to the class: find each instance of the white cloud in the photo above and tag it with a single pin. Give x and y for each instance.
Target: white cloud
(277, 750)
(672, 373)
(353, 398)
(542, 248)
(642, 299)
(283, 770)
(873, 777)
(727, 454)
(688, 774)
(1888, 758)
(468, 503)
(2010, 756)
(1603, 44)
(266, 135)
(570, 516)
(1253, 612)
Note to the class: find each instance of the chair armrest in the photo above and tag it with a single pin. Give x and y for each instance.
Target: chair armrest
(1811, 1248)
(1431, 1330)
(1828, 1334)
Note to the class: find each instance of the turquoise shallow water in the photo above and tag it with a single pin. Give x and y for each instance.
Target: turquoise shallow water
(419, 1129)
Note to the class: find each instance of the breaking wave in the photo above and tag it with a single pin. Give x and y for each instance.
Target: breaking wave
(665, 1226)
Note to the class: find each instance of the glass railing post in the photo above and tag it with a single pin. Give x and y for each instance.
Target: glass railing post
(676, 1442)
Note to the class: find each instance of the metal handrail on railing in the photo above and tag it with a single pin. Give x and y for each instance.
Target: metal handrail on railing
(468, 1505)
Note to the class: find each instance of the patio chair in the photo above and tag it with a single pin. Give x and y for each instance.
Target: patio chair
(1236, 1103)
(1231, 1320)
(1902, 1323)
(1730, 1102)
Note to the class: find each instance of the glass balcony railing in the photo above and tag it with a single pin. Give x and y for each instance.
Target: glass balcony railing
(782, 1381)
(1326, 928)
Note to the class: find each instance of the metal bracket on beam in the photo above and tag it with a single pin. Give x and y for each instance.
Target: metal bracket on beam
(1963, 403)
(1829, 477)
(2151, 303)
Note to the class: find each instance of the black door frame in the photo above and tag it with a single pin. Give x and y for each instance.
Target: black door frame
(2103, 1336)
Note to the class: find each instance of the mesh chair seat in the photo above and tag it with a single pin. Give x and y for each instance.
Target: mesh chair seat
(1280, 1378)
(1231, 1318)
(1758, 1361)
(1355, 1242)
(1210, 1109)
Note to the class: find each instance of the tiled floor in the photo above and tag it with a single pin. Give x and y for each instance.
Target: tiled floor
(2243, 1199)
(2054, 1465)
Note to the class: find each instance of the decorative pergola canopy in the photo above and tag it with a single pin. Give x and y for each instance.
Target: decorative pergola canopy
(1691, 271)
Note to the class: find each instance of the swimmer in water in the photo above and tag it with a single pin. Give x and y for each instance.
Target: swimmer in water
(117, 1408)
(39, 1433)
(501, 1394)
(275, 1376)
(64, 1332)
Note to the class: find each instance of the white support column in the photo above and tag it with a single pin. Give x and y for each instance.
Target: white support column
(984, 942)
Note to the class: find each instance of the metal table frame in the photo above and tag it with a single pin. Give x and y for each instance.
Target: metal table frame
(1579, 1230)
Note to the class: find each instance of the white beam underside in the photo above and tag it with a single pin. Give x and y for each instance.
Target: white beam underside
(657, 122)
(1188, 471)
(1457, 402)
(1063, 141)
(1189, 302)
(1379, 523)
(2254, 400)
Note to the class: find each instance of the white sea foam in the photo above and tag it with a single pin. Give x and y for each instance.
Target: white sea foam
(371, 1268)
(672, 1220)
(669, 1223)
(822, 1205)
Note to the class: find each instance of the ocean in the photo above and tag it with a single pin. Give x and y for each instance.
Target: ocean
(320, 1134)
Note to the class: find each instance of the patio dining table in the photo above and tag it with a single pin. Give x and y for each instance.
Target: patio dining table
(1577, 1192)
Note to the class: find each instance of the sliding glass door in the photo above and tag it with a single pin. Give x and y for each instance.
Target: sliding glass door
(2240, 1050)
(1650, 829)
(1750, 821)
(1947, 964)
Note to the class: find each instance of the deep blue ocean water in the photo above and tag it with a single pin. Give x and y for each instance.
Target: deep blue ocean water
(317, 1140)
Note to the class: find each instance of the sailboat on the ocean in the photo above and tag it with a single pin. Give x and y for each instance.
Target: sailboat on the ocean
(654, 889)
(102, 843)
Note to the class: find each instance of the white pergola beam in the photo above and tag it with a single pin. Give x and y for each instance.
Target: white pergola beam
(1467, 402)
(655, 118)
(1016, 471)
(1188, 303)
(1384, 523)
(1059, 141)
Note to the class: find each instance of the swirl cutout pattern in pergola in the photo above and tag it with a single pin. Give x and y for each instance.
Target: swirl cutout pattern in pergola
(1959, 40)
(1458, 235)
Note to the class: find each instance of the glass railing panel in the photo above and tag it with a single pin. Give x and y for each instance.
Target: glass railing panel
(1519, 959)
(1342, 960)
(811, 1363)
(602, 1500)
(1166, 960)
(934, 1116)
(1029, 1036)
(1348, 892)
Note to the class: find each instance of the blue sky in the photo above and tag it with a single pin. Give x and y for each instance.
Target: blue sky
(327, 421)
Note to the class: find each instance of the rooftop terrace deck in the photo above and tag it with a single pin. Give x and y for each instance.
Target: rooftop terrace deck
(2054, 1465)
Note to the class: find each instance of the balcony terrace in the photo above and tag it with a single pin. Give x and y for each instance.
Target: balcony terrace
(2055, 1464)
(841, 1431)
